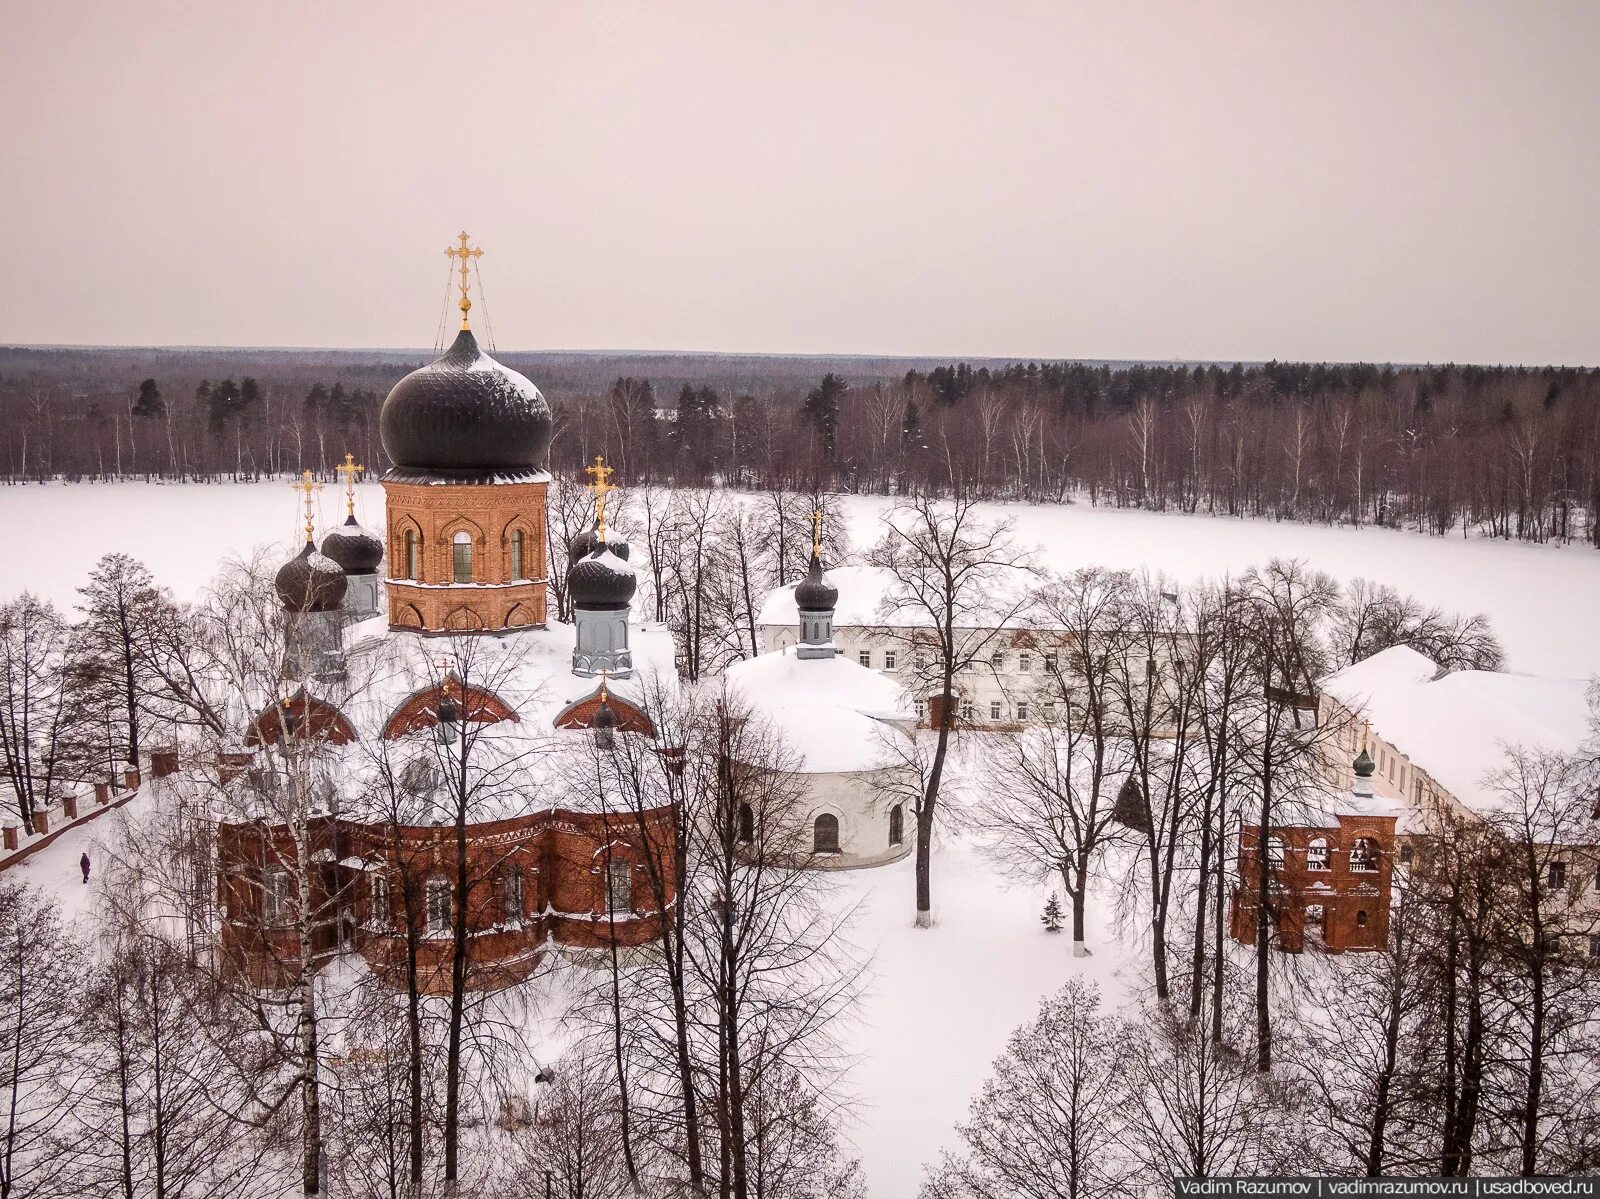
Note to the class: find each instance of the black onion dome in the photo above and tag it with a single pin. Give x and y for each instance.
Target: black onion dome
(605, 716)
(309, 582)
(601, 582)
(353, 548)
(585, 542)
(1364, 765)
(815, 593)
(464, 413)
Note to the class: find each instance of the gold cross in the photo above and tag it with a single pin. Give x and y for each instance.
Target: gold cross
(816, 531)
(349, 469)
(600, 472)
(309, 485)
(466, 255)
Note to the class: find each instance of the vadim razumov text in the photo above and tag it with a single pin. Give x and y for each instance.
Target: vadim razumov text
(1371, 1188)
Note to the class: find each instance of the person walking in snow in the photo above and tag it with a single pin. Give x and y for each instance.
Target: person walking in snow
(83, 865)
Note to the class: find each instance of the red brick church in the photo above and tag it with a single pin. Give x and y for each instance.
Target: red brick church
(405, 656)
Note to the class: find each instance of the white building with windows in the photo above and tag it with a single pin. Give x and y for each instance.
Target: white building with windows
(849, 729)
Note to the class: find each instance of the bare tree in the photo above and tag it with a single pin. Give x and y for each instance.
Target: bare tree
(957, 582)
(1052, 1119)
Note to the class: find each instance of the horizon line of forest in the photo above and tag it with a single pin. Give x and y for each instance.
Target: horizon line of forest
(1507, 452)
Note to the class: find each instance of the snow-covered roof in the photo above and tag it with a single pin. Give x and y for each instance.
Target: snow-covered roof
(862, 591)
(1459, 726)
(528, 762)
(835, 714)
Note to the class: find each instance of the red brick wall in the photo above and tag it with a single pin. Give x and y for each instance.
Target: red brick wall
(559, 855)
(1354, 903)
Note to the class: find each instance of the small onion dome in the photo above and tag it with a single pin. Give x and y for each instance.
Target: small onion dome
(815, 593)
(605, 716)
(1364, 765)
(584, 544)
(465, 413)
(602, 582)
(309, 582)
(353, 548)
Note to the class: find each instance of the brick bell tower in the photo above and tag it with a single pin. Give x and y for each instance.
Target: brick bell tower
(468, 440)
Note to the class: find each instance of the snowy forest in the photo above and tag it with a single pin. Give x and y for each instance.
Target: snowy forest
(720, 1063)
(1508, 452)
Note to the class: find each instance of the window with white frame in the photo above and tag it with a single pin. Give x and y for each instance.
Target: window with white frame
(1052, 661)
(1556, 876)
(888, 659)
(921, 707)
(1022, 711)
(378, 899)
(438, 906)
(966, 709)
(864, 657)
(1050, 711)
(994, 709)
(619, 886)
(276, 892)
(461, 557)
(511, 894)
(997, 659)
(1024, 662)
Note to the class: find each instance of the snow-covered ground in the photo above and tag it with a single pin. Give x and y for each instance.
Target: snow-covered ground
(1541, 598)
(941, 1002)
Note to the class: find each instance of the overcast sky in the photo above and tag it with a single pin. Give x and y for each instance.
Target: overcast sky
(1380, 181)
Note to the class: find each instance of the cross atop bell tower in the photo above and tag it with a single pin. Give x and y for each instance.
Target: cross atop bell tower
(308, 485)
(466, 255)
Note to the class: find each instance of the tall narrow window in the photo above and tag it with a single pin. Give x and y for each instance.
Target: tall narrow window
(825, 834)
(516, 555)
(1275, 852)
(619, 886)
(461, 556)
(378, 901)
(1317, 854)
(747, 824)
(897, 824)
(512, 894)
(438, 906)
(275, 905)
(411, 554)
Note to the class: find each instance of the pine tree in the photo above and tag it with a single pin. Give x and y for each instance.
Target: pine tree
(1052, 914)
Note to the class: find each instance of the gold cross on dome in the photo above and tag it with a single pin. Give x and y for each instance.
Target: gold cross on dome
(348, 470)
(816, 531)
(309, 486)
(466, 255)
(599, 473)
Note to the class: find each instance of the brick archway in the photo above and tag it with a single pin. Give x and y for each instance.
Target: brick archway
(301, 716)
(579, 714)
(420, 710)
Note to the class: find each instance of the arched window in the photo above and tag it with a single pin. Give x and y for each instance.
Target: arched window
(747, 824)
(1275, 852)
(438, 906)
(411, 551)
(825, 834)
(1361, 918)
(1317, 854)
(1364, 854)
(619, 886)
(897, 824)
(516, 555)
(511, 894)
(276, 904)
(461, 556)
